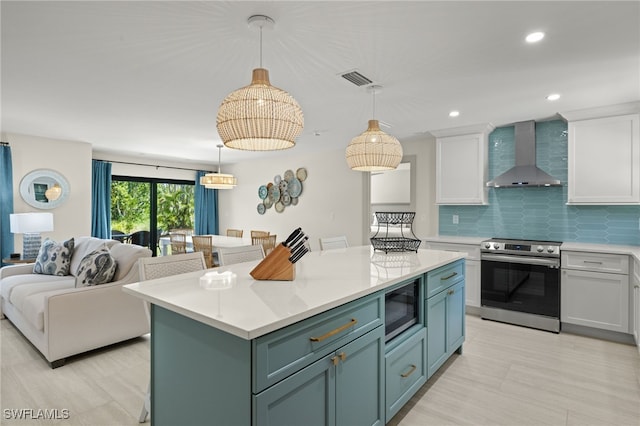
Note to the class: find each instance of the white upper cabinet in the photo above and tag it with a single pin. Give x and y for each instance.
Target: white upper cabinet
(604, 155)
(461, 164)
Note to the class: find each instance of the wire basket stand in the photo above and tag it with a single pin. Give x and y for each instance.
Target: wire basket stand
(395, 244)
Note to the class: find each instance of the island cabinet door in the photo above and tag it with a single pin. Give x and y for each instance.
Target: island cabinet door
(343, 388)
(455, 317)
(436, 332)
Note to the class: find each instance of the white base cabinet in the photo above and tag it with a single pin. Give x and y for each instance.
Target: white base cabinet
(595, 290)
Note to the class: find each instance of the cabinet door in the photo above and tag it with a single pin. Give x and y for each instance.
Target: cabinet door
(455, 317)
(345, 387)
(405, 371)
(360, 381)
(595, 299)
(461, 169)
(304, 398)
(436, 332)
(604, 161)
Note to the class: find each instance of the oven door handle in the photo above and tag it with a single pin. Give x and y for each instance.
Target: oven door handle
(554, 263)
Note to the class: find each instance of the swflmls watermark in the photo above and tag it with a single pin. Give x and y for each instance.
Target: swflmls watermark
(36, 413)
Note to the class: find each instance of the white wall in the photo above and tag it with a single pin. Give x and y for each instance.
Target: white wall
(331, 202)
(426, 221)
(69, 158)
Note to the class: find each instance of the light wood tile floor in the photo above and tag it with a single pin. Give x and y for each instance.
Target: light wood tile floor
(507, 375)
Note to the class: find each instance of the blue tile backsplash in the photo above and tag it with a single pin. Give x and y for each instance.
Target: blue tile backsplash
(539, 213)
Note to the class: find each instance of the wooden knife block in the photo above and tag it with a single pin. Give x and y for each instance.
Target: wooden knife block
(276, 266)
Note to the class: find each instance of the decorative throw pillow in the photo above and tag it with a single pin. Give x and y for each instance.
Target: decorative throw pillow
(97, 267)
(54, 258)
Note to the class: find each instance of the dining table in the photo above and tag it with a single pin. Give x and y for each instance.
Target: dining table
(217, 241)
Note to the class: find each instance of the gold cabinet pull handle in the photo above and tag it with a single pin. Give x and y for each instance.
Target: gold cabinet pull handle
(335, 331)
(410, 372)
(450, 292)
(448, 277)
(342, 356)
(335, 360)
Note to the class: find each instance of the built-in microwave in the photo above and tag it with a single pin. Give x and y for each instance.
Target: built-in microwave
(401, 309)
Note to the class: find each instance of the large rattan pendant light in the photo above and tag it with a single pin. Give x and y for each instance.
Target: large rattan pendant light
(374, 150)
(218, 180)
(260, 117)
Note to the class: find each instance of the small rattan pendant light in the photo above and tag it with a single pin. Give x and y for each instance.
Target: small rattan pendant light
(374, 150)
(260, 117)
(218, 180)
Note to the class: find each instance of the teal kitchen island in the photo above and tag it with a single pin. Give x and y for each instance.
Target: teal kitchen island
(311, 351)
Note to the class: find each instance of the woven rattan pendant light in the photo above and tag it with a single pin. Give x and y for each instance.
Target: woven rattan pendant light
(218, 180)
(260, 117)
(374, 150)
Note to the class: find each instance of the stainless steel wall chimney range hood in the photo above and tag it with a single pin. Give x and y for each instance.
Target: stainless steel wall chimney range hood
(525, 172)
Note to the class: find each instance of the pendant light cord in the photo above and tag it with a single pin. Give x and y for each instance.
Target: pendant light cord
(260, 46)
(374, 104)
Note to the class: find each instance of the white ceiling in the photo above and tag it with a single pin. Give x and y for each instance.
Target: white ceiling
(146, 78)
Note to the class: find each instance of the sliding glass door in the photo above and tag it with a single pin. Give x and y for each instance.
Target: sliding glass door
(145, 209)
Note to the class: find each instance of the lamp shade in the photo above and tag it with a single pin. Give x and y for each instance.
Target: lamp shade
(30, 223)
(373, 150)
(218, 181)
(259, 117)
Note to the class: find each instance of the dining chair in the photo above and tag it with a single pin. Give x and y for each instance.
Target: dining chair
(204, 244)
(178, 242)
(159, 267)
(259, 234)
(235, 233)
(268, 242)
(141, 238)
(328, 243)
(239, 254)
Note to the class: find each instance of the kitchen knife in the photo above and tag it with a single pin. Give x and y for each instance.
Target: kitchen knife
(292, 236)
(298, 255)
(299, 245)
(296, 239)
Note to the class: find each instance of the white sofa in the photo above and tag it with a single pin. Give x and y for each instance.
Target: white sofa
(60, 319)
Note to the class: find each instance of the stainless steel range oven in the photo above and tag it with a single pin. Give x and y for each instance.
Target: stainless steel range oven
(520, 282)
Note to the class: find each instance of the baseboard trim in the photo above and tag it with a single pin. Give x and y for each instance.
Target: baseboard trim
(613, 336)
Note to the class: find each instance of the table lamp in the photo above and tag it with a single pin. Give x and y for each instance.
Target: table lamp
(30, 225)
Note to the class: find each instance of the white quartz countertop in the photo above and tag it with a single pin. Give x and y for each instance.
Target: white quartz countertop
(602, 248)
(455, 239)
(324, 280)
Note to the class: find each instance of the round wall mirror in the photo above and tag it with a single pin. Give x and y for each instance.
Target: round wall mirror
(44, 189)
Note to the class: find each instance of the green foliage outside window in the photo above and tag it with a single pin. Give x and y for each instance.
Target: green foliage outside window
(130, 206)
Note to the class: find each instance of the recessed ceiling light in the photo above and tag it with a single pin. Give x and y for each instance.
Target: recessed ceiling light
(553, 97)
(454, 113)
(534, 37)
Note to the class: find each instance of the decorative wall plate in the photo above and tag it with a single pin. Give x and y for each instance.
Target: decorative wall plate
(288, 175)
(295, 187)
(279, 207)
(261, 208)
(301, 174)
(263, 192)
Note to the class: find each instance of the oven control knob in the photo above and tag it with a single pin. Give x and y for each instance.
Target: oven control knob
(487, 245)
(539, 249)
(496, 246)
(550, 249)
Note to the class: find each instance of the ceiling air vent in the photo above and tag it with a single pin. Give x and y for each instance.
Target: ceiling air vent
(356, 78)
